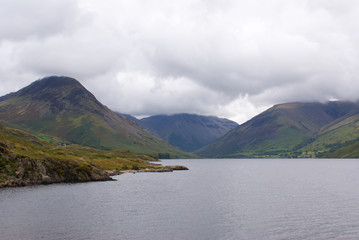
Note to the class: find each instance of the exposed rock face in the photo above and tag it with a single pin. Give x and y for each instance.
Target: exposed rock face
(23, 171)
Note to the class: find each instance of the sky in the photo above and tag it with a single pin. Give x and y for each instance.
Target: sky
(227, 58)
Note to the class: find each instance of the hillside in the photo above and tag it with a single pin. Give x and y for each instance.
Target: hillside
(188, 132)
(27, 160)
(347, 151)
(285, 130)
(61, 107)
(338, 134)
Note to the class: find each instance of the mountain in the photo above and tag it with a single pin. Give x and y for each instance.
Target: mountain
(61, 107)
(288, 130)
(188, 132)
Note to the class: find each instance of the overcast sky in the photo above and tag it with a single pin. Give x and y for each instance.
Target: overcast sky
(229, 58)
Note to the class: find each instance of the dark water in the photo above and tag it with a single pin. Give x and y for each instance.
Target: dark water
(216, 199)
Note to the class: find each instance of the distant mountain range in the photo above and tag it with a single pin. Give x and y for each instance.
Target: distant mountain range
(293, 130)
(61, 107)
(189, 132)
(61, 110)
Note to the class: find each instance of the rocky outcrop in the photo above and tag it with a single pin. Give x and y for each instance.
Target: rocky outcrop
(24, 171)
(34, 172)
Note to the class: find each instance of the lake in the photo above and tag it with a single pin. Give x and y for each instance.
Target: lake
(215, 199)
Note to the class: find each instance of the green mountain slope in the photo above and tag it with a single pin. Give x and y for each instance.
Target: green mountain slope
(347, 151)
(337, 134)
(282, 131)
(188, 132)
(63, 108)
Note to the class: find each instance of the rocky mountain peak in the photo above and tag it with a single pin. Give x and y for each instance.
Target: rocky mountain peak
(57, 88)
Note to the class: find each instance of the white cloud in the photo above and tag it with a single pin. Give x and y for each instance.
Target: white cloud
(241, 109)
(144, 94)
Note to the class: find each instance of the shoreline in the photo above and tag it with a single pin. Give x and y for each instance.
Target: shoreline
(169, 168)
(43, 178)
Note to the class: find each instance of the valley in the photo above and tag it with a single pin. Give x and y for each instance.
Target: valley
(54, 130)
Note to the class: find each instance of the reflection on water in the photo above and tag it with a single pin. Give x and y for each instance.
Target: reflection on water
(216, 199)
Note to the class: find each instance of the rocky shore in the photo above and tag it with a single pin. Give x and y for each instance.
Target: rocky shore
(33, 172)
(169, 168)
(24, 171)
(25, 160)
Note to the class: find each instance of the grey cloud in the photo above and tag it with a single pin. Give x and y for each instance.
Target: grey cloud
(212, 57)
(22, 18)
(68, 55)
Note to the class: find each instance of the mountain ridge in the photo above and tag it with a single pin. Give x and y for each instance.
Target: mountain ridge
(60, 109)
(281, 131)
(60, 106)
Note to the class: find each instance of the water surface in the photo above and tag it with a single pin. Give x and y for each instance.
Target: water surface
(216, 199)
